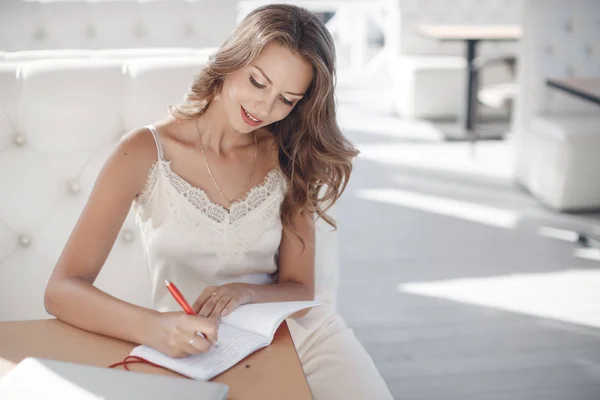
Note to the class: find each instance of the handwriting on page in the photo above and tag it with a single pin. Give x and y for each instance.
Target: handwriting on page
(234, 345)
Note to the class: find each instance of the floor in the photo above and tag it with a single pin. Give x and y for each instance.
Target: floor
(457, 282)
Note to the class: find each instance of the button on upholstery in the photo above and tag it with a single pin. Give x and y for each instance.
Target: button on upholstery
(139, 31)
(90, 32)
(127, 236)
(40, 33)
(570, 70)
(188, 30)
(74, 187)
(24, 241)
(20, 140)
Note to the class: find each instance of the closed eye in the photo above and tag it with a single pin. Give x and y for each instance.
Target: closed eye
(260, 86)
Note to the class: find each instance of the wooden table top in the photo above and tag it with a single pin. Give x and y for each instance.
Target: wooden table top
(586, 88)
(273, 372)
(471, 32)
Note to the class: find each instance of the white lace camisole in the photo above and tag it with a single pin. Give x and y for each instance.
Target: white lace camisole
(196, 243)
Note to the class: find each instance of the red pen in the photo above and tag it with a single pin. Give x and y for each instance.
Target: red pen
(179, 297)
(183, 303)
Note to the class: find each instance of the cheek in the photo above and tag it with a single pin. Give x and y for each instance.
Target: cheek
(236, 91)
(233, 93)
(281, 113)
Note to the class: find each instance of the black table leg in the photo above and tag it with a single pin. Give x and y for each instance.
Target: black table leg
(471, 95)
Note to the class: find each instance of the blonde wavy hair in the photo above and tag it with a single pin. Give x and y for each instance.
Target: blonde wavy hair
(313, 154)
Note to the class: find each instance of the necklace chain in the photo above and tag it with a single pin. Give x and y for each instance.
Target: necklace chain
(230, 201)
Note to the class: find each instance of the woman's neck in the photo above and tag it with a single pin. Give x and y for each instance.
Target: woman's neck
(215, 132)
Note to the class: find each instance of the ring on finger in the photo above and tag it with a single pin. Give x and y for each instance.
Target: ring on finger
(216, 295)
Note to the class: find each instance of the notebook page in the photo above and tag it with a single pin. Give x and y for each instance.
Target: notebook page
(234, 345)
(264, 318)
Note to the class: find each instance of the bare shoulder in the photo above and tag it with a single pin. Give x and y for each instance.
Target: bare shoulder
(133, 157)
(139, 146)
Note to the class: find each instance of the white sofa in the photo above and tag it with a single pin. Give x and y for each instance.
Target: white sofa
(59, 118)
(68, 24)
(429, 76)
(558, 134)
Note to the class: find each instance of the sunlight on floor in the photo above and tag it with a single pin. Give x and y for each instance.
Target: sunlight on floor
(570, 296)
(469, 211)
(387, 125)
(491, 159)
(561, 234)
(588, 254)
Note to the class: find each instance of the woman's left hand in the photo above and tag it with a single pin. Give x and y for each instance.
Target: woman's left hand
(216, 301)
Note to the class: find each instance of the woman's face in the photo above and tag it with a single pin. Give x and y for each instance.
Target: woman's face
(267, 90)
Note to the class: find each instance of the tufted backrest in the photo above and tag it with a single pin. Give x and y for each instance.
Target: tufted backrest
(148, 84)
(560, 40)
(59, 119)
(64, 24)
(475, 12)
(33, 55)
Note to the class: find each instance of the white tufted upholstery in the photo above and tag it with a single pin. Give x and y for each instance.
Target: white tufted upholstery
(562, 161)
(558, 133)
(429, 75)
(63, 24)
(59, 119)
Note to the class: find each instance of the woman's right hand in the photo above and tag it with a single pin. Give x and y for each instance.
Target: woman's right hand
(179, 335)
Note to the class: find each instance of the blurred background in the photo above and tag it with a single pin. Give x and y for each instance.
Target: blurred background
(467, 256)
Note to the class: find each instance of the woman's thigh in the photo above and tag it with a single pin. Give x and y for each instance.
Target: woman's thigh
(338, 367)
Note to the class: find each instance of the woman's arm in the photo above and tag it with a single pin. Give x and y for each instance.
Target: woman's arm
(296, 266)
(70, 294)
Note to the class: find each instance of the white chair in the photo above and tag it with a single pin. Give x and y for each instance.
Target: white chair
(499, 96)
(563, 161)
(65, 24)
(34, 55)
(156, 83)
(152, 52)
(558, 135)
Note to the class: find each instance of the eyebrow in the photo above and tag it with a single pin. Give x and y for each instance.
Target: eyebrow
(270, 82)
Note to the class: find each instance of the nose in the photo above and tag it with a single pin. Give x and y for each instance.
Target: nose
(264, 107)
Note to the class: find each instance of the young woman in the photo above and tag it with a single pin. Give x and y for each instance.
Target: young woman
(226, 190)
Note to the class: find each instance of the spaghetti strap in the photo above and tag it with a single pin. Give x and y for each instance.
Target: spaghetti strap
(157, 140)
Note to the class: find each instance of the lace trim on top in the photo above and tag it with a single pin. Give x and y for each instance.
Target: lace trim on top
(197, 197)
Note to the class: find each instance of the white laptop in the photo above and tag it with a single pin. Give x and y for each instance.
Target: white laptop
(38, 378)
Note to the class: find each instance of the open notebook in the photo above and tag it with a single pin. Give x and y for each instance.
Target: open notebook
(248, 328)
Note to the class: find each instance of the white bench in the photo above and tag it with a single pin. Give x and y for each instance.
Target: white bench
(558, 135)
(429, 76)
(64, 24)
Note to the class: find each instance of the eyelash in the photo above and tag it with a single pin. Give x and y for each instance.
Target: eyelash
(259, 86)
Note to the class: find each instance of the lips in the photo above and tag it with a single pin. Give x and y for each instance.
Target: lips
(249, 118)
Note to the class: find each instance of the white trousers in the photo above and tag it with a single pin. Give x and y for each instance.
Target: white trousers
(336, 365)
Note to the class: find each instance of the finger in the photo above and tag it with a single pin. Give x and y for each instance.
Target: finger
(194, 344)
(208, 306)
(232, 305)
(201, 300)
(208, 327)
(216, 312)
